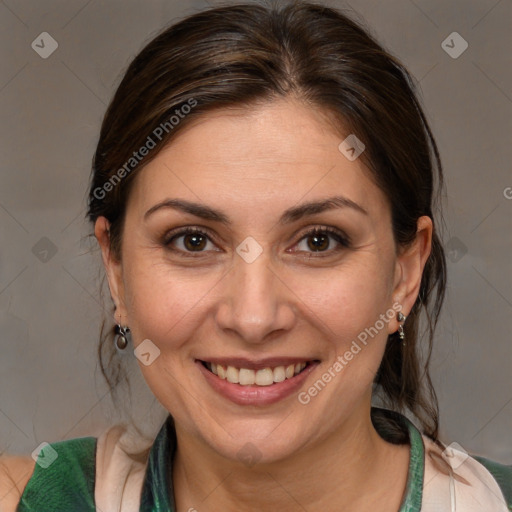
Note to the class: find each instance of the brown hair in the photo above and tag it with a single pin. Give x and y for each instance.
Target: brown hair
(246, 53)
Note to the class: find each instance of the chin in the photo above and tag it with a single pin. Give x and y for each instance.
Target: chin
(255, 442)
(256, 452)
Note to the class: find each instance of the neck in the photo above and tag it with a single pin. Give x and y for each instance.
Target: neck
(347, 470)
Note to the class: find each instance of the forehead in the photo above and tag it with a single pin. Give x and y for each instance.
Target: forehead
(274, 153)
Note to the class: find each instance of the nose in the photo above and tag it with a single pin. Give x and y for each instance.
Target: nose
(255, 302)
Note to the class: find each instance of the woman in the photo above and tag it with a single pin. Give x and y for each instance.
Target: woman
(263, 194)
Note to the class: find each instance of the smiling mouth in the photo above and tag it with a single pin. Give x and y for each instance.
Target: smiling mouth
(262, 377)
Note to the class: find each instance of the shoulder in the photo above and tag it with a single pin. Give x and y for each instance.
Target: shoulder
(15, 472)
(452, 474)
(77, 474)
(63, 477)
(502, 473)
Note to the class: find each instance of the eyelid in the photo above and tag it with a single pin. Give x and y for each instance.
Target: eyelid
(342, 239)
(330, 230)
(187, 230)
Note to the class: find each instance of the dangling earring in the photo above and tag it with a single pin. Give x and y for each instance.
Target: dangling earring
(121, 340)
(401, 318)
(122, 337)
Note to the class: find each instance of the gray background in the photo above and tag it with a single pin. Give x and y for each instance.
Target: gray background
(50, 385)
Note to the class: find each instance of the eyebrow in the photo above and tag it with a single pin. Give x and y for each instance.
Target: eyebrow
(291, 215)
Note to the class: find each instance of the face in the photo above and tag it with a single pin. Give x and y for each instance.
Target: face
(252, 286)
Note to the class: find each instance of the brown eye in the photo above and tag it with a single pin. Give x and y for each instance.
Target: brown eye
(319, 240)
(188, 240)
(194, 241)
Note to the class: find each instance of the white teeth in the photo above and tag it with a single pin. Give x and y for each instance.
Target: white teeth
(247, 377)
(263, 377)
(232, 375)
(221, 372)
(279, 374)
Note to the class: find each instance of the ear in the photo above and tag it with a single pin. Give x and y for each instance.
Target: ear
(409, 268)
(113, 268)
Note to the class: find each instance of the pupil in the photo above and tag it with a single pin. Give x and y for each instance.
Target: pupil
(195, 241)
(317, 245)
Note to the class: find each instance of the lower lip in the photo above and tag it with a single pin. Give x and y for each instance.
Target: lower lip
(256, 395)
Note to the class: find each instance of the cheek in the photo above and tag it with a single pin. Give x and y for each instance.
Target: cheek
(164, 303)
(168, 304)
(346, 307)
(347, 299)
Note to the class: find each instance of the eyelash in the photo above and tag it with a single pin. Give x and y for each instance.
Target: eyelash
(338, 235)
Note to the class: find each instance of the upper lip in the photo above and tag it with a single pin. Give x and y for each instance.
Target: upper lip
(256, 364)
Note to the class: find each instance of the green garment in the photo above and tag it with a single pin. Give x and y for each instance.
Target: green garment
(67, 485)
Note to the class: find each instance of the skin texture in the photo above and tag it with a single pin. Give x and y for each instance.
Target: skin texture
(15, 472)
(253, 164)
